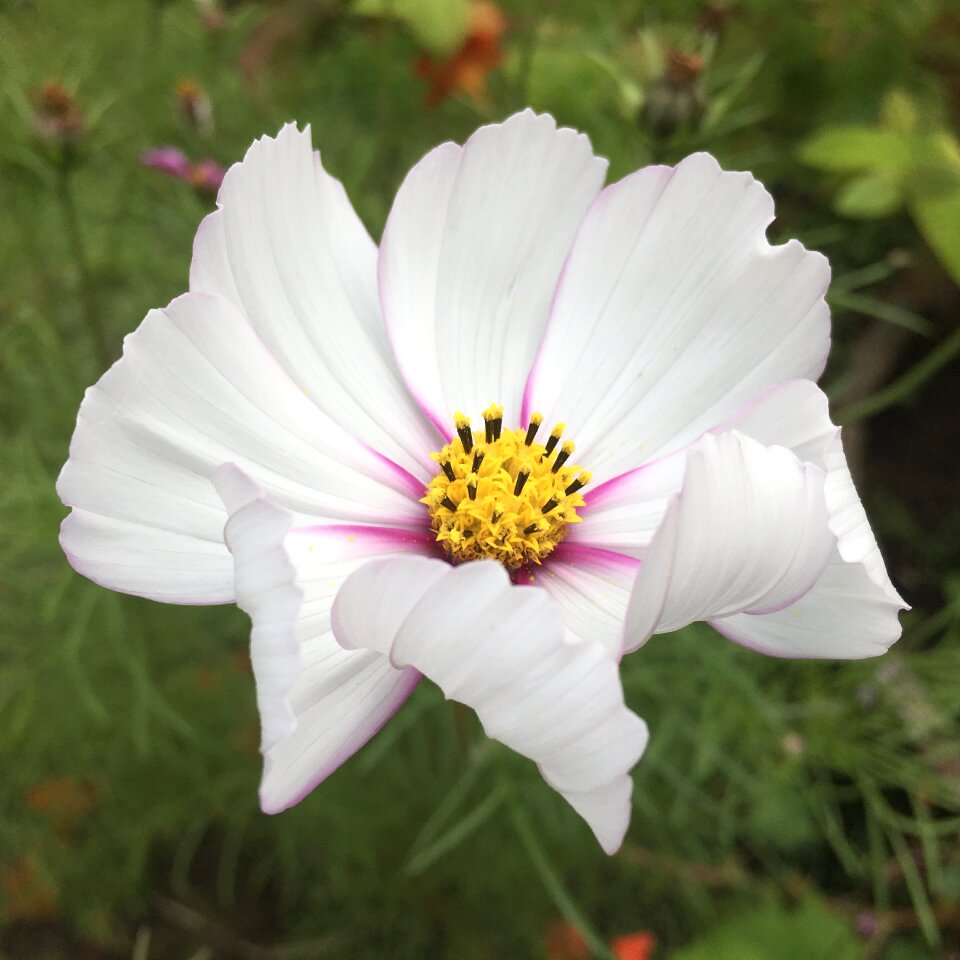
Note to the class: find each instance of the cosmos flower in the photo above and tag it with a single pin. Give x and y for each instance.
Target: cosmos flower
(294, 435)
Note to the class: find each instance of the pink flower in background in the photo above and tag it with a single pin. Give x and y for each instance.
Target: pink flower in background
(169, 160)
(206, 176)
(290, 435)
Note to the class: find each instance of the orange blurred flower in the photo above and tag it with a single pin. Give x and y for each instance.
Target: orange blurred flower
(64, 800)
(194, 106)
(26, 896)
(56, 114)
(466, 70)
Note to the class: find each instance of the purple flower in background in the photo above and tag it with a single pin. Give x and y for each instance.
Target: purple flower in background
(288, 435)
(207, 175)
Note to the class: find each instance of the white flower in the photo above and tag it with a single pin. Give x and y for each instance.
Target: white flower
(311, 376)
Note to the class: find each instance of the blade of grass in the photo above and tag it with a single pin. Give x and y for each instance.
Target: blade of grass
(881, 310)
(904, 387)
(453, 837)
(565, 904)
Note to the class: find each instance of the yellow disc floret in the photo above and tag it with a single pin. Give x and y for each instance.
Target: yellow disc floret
(500, 494)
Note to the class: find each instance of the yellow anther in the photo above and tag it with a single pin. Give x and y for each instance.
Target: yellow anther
(554, 439)
(563, 456)
(579, 483)
(463, 431)
(505, 498)
(535, 421)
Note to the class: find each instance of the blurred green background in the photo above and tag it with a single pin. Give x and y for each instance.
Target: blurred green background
(784, 809)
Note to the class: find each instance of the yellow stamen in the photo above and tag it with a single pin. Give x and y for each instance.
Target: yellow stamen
(500, 494)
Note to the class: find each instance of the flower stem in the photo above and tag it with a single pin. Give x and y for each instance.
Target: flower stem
(903, 387)
(551, 881)
(92, 316)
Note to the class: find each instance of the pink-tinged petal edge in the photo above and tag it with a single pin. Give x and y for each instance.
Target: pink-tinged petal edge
(413, 677)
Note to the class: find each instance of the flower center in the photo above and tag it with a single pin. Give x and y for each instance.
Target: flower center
(500, 494)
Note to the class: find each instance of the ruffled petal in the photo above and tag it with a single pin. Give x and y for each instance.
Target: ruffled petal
(749, 533)
(673, 309)
(471, 255)
(592, 588)
(286, 247)
(195, 388)
(844, 616)
(853, 609)
(501, 649)
(318, 702)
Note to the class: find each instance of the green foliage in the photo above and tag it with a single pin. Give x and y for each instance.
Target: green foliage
(897, 163)
(439, 25)
(769, 932)
(778, 802)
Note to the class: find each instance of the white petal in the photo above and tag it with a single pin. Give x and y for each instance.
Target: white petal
(848, 521)
(287, 248)
(592, 588)
(318, 703)
(471, 255)
(624, 513)
(749, 533)
(195, 388)
(672, 311)
(501, 650)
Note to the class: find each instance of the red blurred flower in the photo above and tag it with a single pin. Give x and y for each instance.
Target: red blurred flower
(565, 942)
(634, 946)
(466, 70)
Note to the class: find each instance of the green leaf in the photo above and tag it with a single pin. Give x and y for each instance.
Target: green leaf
(938, 219)
(898, 111)
(770, 932)
(438, 25)
(935, 171)
(855, 149)
(869, 197)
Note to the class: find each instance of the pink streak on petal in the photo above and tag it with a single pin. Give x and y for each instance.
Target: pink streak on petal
(393, 536)
(609, 488)
(407, 480)
(596, 557)
(602, 492)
